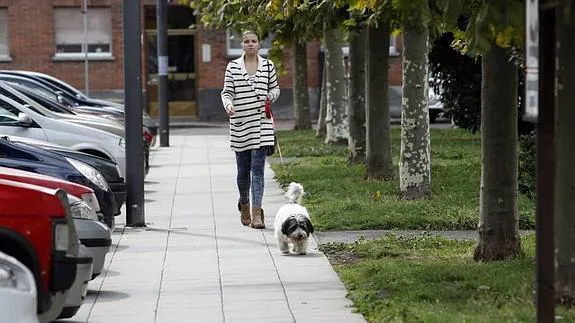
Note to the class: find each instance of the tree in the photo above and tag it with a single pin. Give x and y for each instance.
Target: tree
(415, 155)
(379, 158)
(565, 147)
(301, 93)
(499, 221)
(494, 27)
(356, 97)
(336, 116)
(321, 128)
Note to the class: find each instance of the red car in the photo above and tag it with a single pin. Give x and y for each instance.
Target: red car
(80, 191)
(36, 228)
(97, 240)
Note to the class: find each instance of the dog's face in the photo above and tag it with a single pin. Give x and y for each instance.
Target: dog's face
(297, 227)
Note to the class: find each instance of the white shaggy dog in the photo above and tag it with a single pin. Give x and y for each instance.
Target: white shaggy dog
(292, 224)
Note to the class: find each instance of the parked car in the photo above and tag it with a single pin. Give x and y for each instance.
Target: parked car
(84, 208)
(18, 295)
(65, 112)
(20, 120)
(106, 167)
(73, 96)
(26, 97)
(79, 289)
(36, 228)
(37, 160)
(40, 104)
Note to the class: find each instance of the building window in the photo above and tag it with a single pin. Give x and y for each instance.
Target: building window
(234, 43)
(4, 48)
(392, 47)
(71, 42)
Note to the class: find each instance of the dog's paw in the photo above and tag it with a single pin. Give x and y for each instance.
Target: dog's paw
(303, 253)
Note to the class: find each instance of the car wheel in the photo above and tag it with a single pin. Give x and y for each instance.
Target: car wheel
(110, 221)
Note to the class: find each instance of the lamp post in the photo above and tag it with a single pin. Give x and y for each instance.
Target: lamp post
(133, 114)
(540, 55)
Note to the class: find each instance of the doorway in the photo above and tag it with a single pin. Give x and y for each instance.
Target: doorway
(181, 43)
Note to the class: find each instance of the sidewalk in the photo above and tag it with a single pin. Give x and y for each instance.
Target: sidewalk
(195, 262)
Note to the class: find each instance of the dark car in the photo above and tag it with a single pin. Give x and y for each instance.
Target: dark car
(108, 168)
(37, 160)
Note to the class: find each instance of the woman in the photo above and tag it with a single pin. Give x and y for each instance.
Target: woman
(249, 81)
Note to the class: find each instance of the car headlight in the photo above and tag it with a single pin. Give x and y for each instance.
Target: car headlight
(122, 143)
(80, 209)
(15, 275)
(91, 200)
(61, 237)
(90, 172)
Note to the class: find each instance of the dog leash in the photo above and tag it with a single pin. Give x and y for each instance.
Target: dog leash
(278, 144)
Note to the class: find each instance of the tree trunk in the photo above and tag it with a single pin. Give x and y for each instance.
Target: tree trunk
(565, 145)
(356, 98)
(379, 158)
(301, 91)
(336, 118)
(499, 222)
(320, 131)
(415, 156)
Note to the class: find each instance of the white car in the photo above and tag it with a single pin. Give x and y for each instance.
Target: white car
(17, 291)
(20, 120)
(15, 93)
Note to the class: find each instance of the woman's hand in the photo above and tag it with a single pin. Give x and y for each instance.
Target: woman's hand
(230, 110)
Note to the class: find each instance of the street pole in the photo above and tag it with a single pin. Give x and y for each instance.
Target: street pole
(133, 114)
(162, 37)
(540, 108)
(86, 71)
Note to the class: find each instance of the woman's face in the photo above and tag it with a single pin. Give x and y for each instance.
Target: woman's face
(250, 44)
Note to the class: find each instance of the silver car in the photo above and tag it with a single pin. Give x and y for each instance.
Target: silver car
(79, 289)
(93, 234)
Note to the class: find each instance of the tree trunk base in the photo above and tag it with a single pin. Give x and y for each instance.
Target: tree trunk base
(497, 251)
(356, 160)
(338, 141)
(415, 193)
(379, 177)
(303, 127)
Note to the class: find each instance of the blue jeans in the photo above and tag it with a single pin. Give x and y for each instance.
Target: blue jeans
(251, 165)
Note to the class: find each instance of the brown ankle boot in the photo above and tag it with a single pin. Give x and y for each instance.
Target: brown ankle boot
(258, 218)
(245, 216)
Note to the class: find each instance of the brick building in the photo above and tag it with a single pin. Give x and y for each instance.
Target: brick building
(49, 36)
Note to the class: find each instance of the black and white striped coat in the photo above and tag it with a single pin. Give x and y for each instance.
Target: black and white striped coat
(249, 127)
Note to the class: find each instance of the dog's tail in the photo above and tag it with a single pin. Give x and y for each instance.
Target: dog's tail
(295, 192)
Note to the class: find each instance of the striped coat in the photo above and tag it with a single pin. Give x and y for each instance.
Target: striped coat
(249, 127)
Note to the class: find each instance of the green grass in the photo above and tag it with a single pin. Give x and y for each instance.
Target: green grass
(431, 279)
(338, 197)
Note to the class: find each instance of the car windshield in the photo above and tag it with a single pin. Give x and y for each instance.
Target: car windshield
(8, 108)
(43, 101)
(33, 87)
(64, 87)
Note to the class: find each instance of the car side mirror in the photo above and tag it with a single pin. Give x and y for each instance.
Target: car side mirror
(25, 120)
